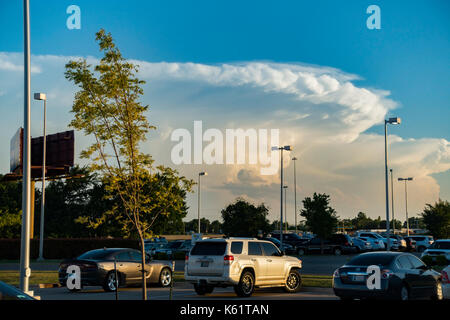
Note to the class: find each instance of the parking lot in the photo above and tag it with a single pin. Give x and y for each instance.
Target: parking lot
(182, 291)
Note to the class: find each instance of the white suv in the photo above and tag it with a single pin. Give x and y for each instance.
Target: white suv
(243, 263)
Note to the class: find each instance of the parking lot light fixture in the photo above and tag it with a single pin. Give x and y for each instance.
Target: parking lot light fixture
(203, 173)
(42, 97)
(406, 200)
(394, 120)
(281, 148)
(295, 194)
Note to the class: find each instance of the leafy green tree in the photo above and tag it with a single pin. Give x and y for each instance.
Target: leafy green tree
(437, 219)
(108, 109)
(320, 218)
(10, 208)
(243, 219)
(192, 226)
(216, 227)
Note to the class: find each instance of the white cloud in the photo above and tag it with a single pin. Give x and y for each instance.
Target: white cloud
(319, 110)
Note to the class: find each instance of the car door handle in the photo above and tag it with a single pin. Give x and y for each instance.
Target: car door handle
(269, 260)
(253, 260)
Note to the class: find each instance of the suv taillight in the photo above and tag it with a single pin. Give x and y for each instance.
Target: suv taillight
(228, 259)
(186, 257)
(445, 278)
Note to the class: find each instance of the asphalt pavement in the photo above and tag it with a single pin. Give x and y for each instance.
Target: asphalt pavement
(182, 291)
(312, 264)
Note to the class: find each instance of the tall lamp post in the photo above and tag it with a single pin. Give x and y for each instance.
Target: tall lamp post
(394, 120)
(295, 194)
(42, 96)
(406, 201)
(287, 148)
(285, 208)
(198, 204)
(392, 200)
(25, 270)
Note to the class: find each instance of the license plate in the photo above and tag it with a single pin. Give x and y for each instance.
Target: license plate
(358, 278)
(204, 264)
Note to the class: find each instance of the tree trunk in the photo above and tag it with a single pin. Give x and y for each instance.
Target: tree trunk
(144, 280)
(321, 246)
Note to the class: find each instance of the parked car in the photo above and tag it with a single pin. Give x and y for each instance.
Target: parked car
(97, 269)
(422, 242)
(337, 244)
(400, 241)
(8, 292)
(410, 244)
(243, 263)
(287, 248)
(438, 248)
(361, 245)
(173, 247)
(446, 282)
(377, 244)
(393, 242)
(291, 238)
(154, 243)
(403, 277)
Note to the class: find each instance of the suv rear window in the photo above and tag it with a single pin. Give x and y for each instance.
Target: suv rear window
(441, 245)
(209, 248)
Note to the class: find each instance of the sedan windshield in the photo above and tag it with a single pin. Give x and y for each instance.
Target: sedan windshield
(372, 259)
(95, 255)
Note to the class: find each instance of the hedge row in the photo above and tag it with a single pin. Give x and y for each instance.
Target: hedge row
(62, 248)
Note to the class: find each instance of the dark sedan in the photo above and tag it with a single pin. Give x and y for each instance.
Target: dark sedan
(97, 269)
(403, 276)
(8, 292)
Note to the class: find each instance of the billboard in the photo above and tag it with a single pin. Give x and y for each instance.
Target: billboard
(60, 151)
(16, 149)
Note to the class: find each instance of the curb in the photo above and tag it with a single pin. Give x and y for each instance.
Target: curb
(49, 285)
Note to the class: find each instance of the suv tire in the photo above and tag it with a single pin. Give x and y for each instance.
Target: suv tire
(301, 251)
(293, 282)
(337, 251)
(246, 285)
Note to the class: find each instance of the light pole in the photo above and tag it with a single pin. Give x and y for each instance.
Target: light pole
(295, 195)
(42, 96)
(392, 199)
(287, 148)
(198, 204)
(25, 270)
(406, 201)
(394, 120)
(285, 207)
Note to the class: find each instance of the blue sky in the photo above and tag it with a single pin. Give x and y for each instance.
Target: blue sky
(409, 56)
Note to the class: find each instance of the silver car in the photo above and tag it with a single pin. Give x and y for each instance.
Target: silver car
(242, 263)
(98, 268)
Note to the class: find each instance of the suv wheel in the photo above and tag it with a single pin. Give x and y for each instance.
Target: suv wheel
(246, 285)
(301, 251)
(337, 251)
(293, 282)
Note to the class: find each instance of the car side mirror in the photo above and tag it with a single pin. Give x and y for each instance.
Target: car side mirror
(282, 253)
